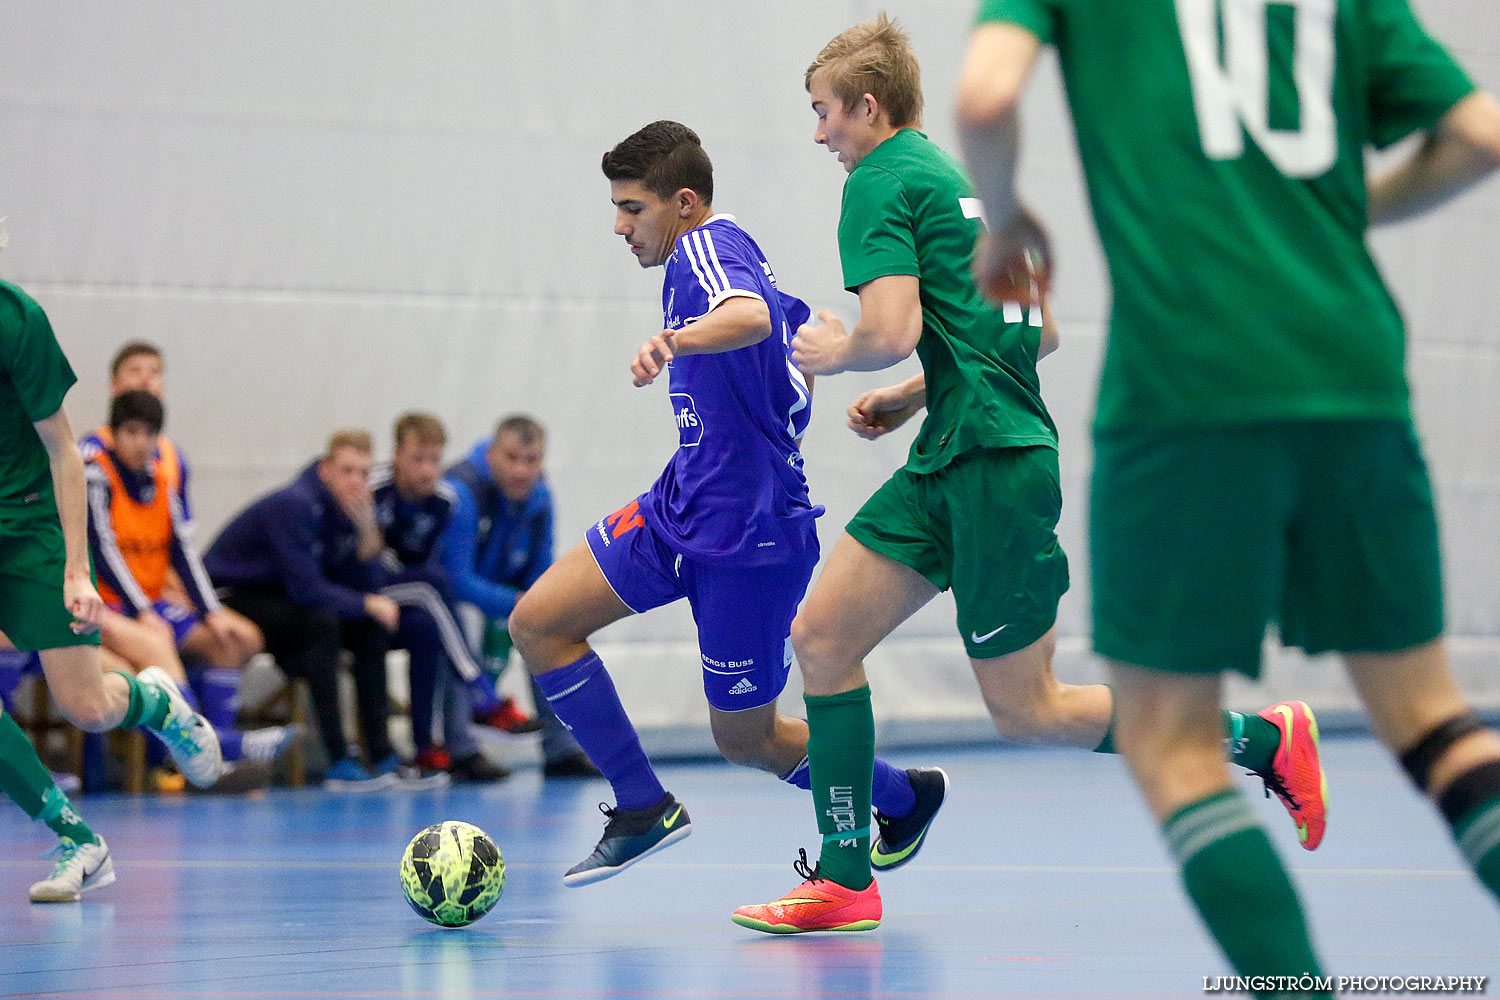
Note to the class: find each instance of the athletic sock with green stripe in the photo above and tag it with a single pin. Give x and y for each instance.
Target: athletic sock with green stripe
(1242, 892)
(148, 707)
(1251, 741)
(841, 756)
(25, 779)
(1471, 804)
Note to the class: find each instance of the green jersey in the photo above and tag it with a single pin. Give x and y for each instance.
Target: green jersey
(909, 209)
(34, 378)
(1223, 143)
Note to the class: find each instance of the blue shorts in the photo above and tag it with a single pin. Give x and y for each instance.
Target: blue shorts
(181, 619)
(744, 614)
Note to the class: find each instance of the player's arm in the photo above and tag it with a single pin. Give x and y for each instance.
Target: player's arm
(738, 321)
(1012, 259)
(459, 539)
(1461, 151)
(79, 595)
(188, 563)
(890, 324)
(292, 536)
(880, 411)
(987, 101)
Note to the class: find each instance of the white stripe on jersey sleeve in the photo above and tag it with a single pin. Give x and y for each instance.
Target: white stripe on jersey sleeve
(711, 256)
(692, 259)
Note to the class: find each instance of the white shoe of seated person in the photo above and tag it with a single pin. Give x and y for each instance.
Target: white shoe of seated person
(265, 746)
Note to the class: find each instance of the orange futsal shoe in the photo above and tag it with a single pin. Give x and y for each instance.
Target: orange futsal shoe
(1296, 774)
(816, 905)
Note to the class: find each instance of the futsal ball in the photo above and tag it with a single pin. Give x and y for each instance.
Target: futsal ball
(452, 874)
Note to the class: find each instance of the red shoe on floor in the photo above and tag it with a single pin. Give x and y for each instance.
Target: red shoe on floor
(816, 905)
(508, 716)
(433, 759)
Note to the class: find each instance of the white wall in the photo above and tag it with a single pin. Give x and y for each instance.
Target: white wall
(329, 212)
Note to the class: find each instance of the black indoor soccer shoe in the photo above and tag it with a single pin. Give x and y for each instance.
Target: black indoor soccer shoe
(629, 836)
(901, 837)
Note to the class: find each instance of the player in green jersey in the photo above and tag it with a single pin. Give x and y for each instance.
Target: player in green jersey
(1255, 458)
(48, 602)
(974, 508)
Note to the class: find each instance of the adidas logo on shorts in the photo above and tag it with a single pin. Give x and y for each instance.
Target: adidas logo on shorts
(743, 687)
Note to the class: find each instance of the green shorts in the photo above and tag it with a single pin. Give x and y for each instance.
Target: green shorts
(32, 558)
(1201, 538)
(984, 525)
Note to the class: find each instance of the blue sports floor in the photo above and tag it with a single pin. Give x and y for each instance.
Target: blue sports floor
(1043, 879)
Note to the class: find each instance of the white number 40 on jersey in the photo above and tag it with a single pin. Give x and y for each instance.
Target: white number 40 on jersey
(1234, 91)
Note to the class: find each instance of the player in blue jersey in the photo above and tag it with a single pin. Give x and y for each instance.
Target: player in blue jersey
(728, 524)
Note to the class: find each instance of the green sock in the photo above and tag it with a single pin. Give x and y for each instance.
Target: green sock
(1242, 892)
(1478, 834)
(24, 778)
(148, 704)
(1252, 742)
(841, 758)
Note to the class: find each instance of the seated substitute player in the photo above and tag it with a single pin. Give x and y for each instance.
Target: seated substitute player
(48, 603)
(974, 508)
(300, 562)
(1255, 456)
(498, 542)
(139, 364)
(412, 507)
(138, 534)
(728, 524)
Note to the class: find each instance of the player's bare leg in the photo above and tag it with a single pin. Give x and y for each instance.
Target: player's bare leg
(1417, 709)
(1169, 729)
(1030, 705)
(552, 622)
(203, 643)
(142, 645)
(91, 699)
(858, 600)
(760, 737)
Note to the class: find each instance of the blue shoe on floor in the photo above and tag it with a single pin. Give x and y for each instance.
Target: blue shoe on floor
(349, 775)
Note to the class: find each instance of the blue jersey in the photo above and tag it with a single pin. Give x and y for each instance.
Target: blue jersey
(411, 528)
(734, 492)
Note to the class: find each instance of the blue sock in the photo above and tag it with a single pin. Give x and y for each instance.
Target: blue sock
(190, 695)
(890, 792)
(584, 698)
(219, 693)
(800, 776)
(215, 692)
